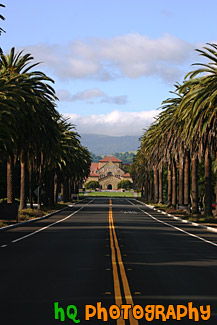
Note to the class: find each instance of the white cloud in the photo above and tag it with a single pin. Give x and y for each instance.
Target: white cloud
(131, 55)
(115, 123)
(89, 94)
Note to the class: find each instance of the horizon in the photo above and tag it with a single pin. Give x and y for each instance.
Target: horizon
(105, 135)
(105, 145)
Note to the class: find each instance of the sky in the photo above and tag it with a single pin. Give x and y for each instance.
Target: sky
(113, 61)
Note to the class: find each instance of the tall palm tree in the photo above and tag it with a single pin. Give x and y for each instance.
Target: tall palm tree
(202, 118)
(35, 111)
(10, 99)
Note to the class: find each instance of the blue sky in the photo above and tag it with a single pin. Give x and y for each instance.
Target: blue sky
(113, 62)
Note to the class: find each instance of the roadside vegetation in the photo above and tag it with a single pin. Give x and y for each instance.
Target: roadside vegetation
(110, 194)
(177, 161)
(92, 185)
(125, 184)
(40, 151)
(186, 214)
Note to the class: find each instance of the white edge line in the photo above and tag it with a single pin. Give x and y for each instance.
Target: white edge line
(177, 228)
(180, 219)
(39, 218)
(41, 229)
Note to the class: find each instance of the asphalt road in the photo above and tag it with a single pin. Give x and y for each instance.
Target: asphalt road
(113, 251)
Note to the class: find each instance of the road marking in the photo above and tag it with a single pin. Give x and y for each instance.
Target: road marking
(117, 289)
(174, 227)
(52, 224)
(41, 229)
(117, 261)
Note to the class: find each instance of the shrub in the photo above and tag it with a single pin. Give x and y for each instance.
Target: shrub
(125, 184)
(92, 185)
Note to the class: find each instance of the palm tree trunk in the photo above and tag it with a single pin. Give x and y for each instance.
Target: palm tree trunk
(70, 188)
(151, 188)
(156, 185)
(174, 185)
(208, 186)
(169, 194)
(10, 185)
(40, 180)
(216, 197)
(181, 181)
(52, 188)
(77, 187)
(30, 185)
(187, 179)
(216, 187)
(47, 188)
(22, 181)
(195, 184)
(65, 189)
(142, 191)
(160, 185)
(146, 189)
(55, 188)
(61, 187)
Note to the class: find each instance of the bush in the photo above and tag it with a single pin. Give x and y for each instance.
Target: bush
(125, 184)
(92, 185)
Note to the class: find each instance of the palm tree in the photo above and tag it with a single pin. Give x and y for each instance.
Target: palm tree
(202, 118)
(36, 111)
(10, 98)
(140, 173)
(184, 132)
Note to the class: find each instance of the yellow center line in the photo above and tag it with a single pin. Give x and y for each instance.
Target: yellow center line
(117, 290)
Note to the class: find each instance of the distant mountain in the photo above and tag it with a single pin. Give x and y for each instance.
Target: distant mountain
(105, 145)
(126, 157)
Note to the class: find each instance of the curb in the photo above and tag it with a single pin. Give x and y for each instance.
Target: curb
(195, 224)
(36, 219)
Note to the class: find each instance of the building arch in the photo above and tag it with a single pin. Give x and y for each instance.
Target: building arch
(109, 187)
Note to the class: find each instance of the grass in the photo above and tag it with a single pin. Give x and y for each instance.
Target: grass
(28, 214)
(109, 194)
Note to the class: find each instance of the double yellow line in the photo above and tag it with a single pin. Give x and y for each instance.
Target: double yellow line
(118, 263)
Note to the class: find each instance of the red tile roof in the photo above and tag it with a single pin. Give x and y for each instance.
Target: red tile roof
(110, 158)
(94, 166)
(126, 175)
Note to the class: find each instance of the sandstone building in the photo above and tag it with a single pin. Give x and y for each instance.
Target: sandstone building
(108, 172)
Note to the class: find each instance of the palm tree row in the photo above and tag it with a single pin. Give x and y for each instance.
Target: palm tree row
(34, 136)
(183, 134)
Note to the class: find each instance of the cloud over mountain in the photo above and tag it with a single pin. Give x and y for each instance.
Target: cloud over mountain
(115, 123)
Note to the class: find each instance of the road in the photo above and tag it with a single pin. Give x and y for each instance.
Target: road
(113, 251)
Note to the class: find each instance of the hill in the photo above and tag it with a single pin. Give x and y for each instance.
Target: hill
(105, 145)
(125, 157)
